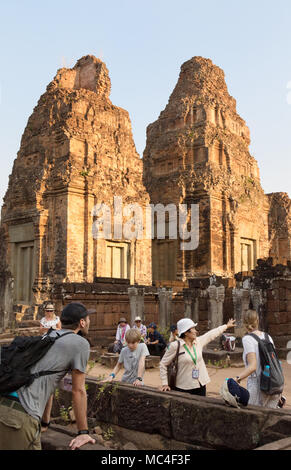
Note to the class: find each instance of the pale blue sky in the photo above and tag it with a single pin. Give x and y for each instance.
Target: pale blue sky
(144, 44)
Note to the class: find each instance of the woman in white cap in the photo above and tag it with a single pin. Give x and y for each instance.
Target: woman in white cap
(140, 327)
(192, 375)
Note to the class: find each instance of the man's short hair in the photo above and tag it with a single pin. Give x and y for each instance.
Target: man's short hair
(132, 336)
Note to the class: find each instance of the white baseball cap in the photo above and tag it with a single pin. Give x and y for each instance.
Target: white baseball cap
(184, 325)
(137, 319)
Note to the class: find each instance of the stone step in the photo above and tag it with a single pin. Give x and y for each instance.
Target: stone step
(28, 332)
(57, 439)
(222, 357)
(4, 342)
(281, 444)
(7, 336)
(28, 324)
(95, 354)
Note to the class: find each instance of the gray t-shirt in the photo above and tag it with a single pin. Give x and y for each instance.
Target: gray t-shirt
(68, 353)
(130, 360)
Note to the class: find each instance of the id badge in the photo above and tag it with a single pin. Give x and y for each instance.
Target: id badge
(195, 374)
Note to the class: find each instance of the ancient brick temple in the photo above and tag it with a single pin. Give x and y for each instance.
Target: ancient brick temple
(198, 152)
(77, 151)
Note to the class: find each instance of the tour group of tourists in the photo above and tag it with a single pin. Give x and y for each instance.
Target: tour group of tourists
(25, 412)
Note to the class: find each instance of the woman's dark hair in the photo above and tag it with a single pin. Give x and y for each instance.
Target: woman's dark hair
(184, 334)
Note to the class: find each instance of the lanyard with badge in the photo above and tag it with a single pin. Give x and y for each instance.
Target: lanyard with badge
(195, 372)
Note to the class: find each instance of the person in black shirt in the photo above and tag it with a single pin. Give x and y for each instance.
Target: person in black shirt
(155, 341)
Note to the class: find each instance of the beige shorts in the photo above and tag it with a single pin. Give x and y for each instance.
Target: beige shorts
(18, 430)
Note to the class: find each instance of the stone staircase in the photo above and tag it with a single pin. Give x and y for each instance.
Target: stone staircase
(23, 328)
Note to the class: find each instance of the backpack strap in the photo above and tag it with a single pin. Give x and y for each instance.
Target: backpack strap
(255, 336)
(267, 338)
(65, 334)
(50, 372)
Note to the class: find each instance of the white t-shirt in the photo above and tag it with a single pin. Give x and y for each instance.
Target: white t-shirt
(251, 345)
(130, 360)
(49, 323)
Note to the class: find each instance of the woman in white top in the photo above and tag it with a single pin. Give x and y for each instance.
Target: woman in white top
(251, 358)
(192, 376)
(50, 320)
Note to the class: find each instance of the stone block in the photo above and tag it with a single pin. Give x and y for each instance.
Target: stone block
(277, 318)
(281, 341)
(58, 440)
(278, 330)
(109, 360)
(190, 423)
(95, 354)
(281, 444)
(282, 293)
(273, 306)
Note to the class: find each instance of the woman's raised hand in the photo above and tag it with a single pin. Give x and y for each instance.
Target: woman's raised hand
(230, 323)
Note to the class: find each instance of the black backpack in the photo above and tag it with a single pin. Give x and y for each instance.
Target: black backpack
(274, 382)
(18, 357)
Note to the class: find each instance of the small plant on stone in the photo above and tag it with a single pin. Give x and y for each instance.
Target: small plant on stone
(108, 434)
(113, 389)
(101, 391)
(90, 366)
(85, 173)
(64, 413)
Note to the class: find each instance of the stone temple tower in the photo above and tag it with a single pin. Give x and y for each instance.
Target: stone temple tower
(77, 151)
(197, 152)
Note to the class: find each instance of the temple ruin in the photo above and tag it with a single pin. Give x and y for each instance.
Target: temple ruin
(77, 151)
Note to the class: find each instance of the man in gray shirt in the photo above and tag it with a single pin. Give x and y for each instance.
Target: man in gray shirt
(20, 425)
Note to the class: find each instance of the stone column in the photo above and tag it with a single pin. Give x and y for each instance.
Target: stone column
(191, 301)
(136, 299)
(187, 295)
(6, 309)
(259, 300)
(165, 307)
(215, 305)
(215, 311)
(241, 301)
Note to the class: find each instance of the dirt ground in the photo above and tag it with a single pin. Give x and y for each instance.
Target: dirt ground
(152, 378)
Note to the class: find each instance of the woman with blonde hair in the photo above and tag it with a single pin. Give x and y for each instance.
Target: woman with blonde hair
(50, 319)
(251, 358)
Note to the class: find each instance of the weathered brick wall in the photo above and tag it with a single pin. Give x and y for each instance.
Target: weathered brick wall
(279, 313)
(110, 299)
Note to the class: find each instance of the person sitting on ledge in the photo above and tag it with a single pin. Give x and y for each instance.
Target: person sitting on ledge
(141, 328)
(133, 359)
(50, 319)
(120, 341)
(155, 341)
(192, 375)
